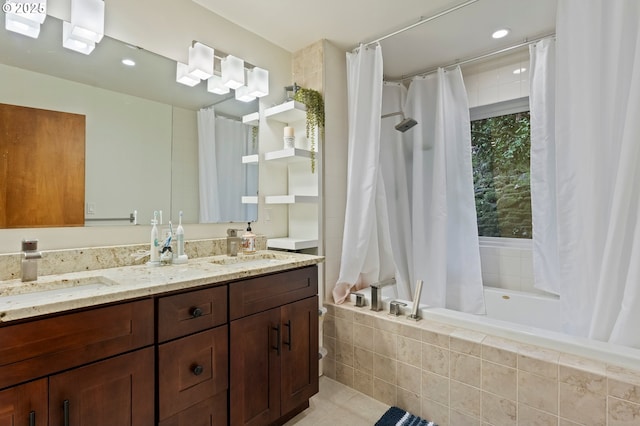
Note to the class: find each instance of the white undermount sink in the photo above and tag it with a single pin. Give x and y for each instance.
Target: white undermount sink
(49, 289)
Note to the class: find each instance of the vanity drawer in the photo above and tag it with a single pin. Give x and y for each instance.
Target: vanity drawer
(42, 347)
(187, 313)
(254, 295)
(191, 370)
(210, 412)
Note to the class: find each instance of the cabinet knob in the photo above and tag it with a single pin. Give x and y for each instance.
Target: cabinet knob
(196, 312)
(197, 370)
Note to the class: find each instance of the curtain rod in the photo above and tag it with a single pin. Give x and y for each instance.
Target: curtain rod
(473, 59)
(420, 22)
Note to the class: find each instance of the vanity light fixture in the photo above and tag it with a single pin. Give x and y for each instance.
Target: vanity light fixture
(232, 72)
(25, 16)
(74, 43)
(183, 76)
(215, 85)
(87, 19)
(500, 33)
(258, 82)
(201, 61)
(242, 94)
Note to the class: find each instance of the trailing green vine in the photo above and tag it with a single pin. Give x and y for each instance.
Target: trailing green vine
(312, 99)
(254, 138)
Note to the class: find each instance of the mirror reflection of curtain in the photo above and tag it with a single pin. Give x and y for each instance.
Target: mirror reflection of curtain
(223, 180)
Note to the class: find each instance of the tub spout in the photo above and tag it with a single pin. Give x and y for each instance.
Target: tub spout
(376, 293)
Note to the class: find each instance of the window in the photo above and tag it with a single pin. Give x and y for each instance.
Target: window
(500, 146)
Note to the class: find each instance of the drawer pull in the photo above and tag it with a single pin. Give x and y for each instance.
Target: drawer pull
(65, 408)
(32, 418)
(288, 343)
(197, 370)
(196, 312)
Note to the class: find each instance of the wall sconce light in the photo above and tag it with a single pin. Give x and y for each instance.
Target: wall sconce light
(25, 16)
(215, 85)
(258, 82)
(242, 94)
(183, 76)
(232, 72)
(201, 61)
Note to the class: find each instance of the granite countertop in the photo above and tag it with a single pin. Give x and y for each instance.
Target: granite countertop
(58, 293)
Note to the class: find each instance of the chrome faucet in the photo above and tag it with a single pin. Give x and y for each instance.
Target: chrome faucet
(376, 293)
(233, 241)
(30, 256)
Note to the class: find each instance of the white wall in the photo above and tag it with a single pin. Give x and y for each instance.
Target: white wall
(168, 28)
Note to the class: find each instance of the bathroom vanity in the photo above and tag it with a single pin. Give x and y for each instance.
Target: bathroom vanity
(225, 344)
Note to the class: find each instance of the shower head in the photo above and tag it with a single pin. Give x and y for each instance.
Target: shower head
(405, 124)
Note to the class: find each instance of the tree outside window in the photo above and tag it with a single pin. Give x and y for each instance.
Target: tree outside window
(500, 156)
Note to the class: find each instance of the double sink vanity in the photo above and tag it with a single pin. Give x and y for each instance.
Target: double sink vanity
(217, 341)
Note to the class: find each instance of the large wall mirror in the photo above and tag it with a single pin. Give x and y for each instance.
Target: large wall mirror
(141, 142)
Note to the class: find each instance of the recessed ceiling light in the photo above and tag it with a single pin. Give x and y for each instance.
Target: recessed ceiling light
(129, 62)
(500, 33)
(519, 70)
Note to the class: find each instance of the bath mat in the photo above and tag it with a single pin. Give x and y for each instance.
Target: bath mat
(398, 417)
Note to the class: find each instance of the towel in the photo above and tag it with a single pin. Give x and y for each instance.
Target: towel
(398, 417)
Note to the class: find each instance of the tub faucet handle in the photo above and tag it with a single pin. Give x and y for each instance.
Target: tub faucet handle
(359, 299)
(395, 307)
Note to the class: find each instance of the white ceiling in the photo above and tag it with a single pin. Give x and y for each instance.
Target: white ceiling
(464, 33)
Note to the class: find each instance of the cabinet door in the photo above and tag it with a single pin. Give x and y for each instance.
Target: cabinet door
(299, 353)
(255, 369)
(24, 405)
(118, 391)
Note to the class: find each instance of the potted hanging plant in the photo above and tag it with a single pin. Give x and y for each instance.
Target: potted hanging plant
(312, 99)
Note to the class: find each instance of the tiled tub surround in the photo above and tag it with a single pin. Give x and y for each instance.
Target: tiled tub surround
(456, 376)
(64, 291)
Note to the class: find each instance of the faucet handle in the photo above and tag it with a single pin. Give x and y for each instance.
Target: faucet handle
(394, 307)
(359, 299)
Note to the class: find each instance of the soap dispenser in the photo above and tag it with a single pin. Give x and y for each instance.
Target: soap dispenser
(248, 241)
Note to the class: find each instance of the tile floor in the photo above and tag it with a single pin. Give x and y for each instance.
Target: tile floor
(336, 405)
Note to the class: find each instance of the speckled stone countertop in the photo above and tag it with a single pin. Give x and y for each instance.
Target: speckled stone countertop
(62, 292)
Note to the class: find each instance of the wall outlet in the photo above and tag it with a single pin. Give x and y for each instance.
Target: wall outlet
(267, 215)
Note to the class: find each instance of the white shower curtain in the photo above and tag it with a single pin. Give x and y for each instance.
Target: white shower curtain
(223, 181)
(598, 153)
(543, 165)
(444, 226)
(366, 247)
(207, 166)
(395, 160)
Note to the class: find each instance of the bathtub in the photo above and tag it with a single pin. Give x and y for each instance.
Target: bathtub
(523, 317)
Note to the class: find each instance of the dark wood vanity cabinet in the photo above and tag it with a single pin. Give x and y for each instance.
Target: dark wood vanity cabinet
(273, 346)
(238, 353)
(94, 367)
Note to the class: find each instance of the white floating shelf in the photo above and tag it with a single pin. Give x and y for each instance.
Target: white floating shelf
(252, 119)
(290, 199)
(288, 155)
(287, 112)
(249, 199)
(291, 243)
(250, 159)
